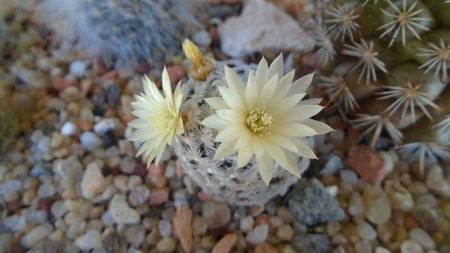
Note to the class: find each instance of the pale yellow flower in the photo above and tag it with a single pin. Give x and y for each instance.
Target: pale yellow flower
(158, 120)
(265, 118)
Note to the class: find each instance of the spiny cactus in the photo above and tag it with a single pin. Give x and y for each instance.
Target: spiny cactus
(129, 31)
(385, 64)
(240, 132)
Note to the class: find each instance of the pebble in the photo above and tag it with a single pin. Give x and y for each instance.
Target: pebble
(225, 244)
(377, 205)
(285, 233)
(366, 231)
(265, 248)
(139, 195)
(411, 246)
(216, 214)
(90, 141)
(312, 204)
(120, 212)
(6, 241)
(381, 250)
(165, 228)
(10, 187)
(69, 129)
(400, 198)
(422, 237)
(202, 38)
(182, 227)
(92, 239)
(58, 209)
(246, 224)
(159, 196)
(105, 125)
(199, 226)
(348, 177)
(112, 94)
(436, 181)
(78, 68)
(36, 234)
(363, 247)
(93, 181)
(69, 168)
(135, 235)
(333, 165)
(369, 164)
(311, 243)
(356, 204)
(166, 244)
(258, 234)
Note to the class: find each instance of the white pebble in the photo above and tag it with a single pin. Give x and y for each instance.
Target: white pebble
(78, 68)
(258, 235)
(165, 228)
(423, 238)
(411, 246)
(92, 239)
(46, 190)
(36, 234)
(69, 129)
(366, 231)
(10, 186)
(90, 140)
(121, 212)
(104, 125)
(381, 250)
(93, 181)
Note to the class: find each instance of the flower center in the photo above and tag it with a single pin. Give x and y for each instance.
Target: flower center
(162, 119)
(259, 120)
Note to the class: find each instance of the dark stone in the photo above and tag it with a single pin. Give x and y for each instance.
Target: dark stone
(311, 243)
(112, 94)
(109, 139)
(311, 204)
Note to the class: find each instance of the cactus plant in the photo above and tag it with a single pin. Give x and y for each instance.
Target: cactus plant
(385, 64)
(243, 149)
(126, 31)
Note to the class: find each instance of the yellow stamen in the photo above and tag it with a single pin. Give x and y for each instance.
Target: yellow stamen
(259, 121)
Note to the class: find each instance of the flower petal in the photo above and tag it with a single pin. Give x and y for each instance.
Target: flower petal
(245, 154)
(265, 165)
(302, 84)
(231, 99)
(217, 103)
(294, 129)
(225, 149)
(304, 150)
(215, 121)
(251, 91)
(319, 127)
(277, 67)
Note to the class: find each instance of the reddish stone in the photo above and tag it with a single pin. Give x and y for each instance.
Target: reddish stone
(182, 227)
(99, 67)
(410, 222)
(179, 169)
(140, 170)
(176, 73)
(367, 163)
(159, 196)
(60, 83)
(154, 169)
(111, 75)
(85, 125)
(265, 248)
(86, 85)
(225, 244)
(203, 196)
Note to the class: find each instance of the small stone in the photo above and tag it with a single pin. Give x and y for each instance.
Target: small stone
(348, 177)
(121, 182)
(69, 129)
(90, 140)
(333, 165)
(6, 241)
(121, 212)
(422, 238)
(202, 38)
(436, 181)
(356, 205)
(112, 94)
(92, 239)
(381, 250)
(285, 233)
(225, 244)
(246, 224)
(93, 181)
(182, 228)
(135, 235)
(10, 187)
(312, 204)
(46, 190)
(69, 168)
(258, 234)
(369, 164)
(199, 226)
(265, 248)
(378, 207)
(58, 209)
(166, 244)
(78, 68)
(165, 228)
(139, 195)
(312, 243)
(366, 231)
(400, 198)
(216, 214)
(159, 196)
(411, 246)
(105, 125)
(363, 247)
(36, 234)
